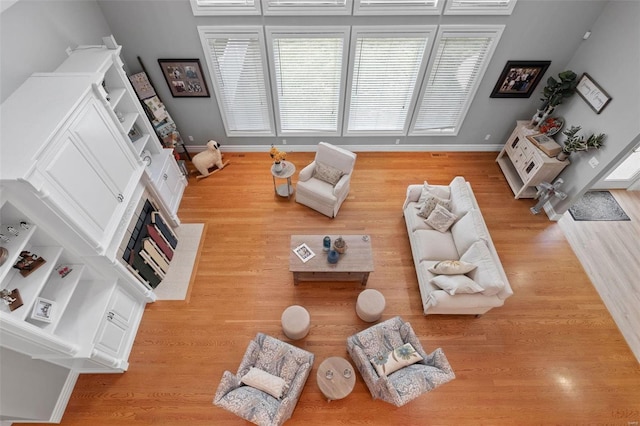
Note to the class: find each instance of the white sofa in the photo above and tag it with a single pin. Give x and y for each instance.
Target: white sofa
(467, 240)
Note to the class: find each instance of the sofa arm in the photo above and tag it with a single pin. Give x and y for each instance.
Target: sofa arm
(306, 173)
(413, 194)
(228, 383)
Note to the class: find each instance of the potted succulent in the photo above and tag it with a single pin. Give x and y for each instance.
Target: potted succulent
(340, 245)
(554, 93)
(575, 142)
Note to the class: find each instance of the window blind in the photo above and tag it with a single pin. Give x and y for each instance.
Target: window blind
(225, 7)
(384, 74)
(397, 7)
(308, 73)
(458, 65)
(307, 7)
(479, 7)
(236, 62)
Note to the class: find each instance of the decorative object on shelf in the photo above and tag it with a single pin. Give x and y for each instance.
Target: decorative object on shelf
(553, 94)
(519, 79)
(304, 252)
(134, 133)
(119, 115)
(212, 156)
(575, 142)
(551, 125)
(326, 244)
(4, 253)
(63, 270)
(25, 225)
(333, 257)
(11, 298)
(28, 262)
(278, 157)
(43, 309)
(184, 77)
(592, 93)
(146, 157)
(340, 245)
(13, 231)
(546, 144)
(4, 238)
(546, 192)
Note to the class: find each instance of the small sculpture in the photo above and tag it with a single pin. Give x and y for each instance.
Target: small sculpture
(208, 158)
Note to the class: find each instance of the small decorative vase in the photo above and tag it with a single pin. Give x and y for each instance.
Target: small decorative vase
(333, 256)
(562, 156)
(340, 245)
(277, 166)
(326, 244)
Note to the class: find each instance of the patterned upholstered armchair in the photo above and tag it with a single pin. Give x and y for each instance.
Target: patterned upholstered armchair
(277, 358)
(408, 382)
(324, 184)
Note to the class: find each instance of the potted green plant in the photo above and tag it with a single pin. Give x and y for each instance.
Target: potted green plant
(576, 142)
(554, 93)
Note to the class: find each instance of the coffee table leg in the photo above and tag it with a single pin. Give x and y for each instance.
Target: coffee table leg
(365, 278)
(296, 278)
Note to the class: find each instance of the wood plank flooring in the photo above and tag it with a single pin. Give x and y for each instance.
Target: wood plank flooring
(551, 355)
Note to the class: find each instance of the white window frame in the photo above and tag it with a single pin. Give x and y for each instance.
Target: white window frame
(427, 31)
(312, 7)
(229, 31)
(397, 7)
(222, 8)
(273, 32)
(479, 7)
(494, 31)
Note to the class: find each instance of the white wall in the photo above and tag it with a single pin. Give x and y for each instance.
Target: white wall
(611, 56)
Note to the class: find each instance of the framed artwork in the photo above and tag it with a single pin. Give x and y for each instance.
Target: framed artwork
(304, 252)
(142, 85)
(519, 79)
(184, 77)
(42, 310)
(592, 93)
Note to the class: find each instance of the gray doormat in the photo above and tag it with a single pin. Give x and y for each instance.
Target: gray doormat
(597, 205)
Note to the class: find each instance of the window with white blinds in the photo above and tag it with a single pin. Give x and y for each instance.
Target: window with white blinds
(307, 75)
(397, 7)
(459, 61)
(238, 68)
(385, 69)
(479, 7)
(225, 7)
(307, 7)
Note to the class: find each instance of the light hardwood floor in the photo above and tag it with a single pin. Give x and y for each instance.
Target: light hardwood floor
(610, 254)
(551, 355)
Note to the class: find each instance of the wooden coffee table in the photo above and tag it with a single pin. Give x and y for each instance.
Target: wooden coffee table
(336, 378)
(354, 265)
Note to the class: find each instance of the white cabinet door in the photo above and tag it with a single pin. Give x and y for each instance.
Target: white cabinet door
(114, 331)
(90, 173)
(171, 184)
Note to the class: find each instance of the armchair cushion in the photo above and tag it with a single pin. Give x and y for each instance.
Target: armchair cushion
(264, 381)
(390, 362)
(327, 173)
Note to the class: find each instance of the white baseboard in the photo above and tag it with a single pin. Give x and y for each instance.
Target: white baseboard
(358, 148)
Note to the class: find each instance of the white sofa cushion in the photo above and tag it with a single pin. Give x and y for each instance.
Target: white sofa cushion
(414, 222)
(456, 284)
(486, 274)
(441, 191)
(429, 204)
(461, 198)
(467, 230)
(434, 245)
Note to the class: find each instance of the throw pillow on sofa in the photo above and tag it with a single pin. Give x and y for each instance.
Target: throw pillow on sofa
(456, 284)
(452, 267)
(430, 203)
(441, 219)
(461, 198)
(486, 274)
(439, 191)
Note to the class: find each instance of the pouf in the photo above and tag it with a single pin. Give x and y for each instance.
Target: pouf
(370, 305)
(296, 322)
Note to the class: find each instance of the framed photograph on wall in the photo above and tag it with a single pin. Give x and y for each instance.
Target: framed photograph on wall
(184, 77)
(519, 79)
(592, 93)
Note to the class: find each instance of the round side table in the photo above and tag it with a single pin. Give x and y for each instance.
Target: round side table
(285, 189)
(336, 378)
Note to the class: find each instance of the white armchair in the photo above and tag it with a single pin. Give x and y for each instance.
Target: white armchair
(324, 184)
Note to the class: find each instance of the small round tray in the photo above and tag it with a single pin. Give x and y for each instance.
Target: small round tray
(555, 124)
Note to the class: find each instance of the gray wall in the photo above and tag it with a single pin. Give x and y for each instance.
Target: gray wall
(535, 31)
(610, 56)
(35, 34)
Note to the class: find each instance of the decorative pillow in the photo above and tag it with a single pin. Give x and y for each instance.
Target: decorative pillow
(441, 219)
(430, 203)
(486, 275)
(396, 359)
(461, 201)
(452, 267)
(459, 284)
(469, 229)
(264, 381)
(438, 191)
(327, 173)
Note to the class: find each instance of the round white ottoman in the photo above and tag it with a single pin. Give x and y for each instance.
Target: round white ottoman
(370, 305)
(296, 322)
